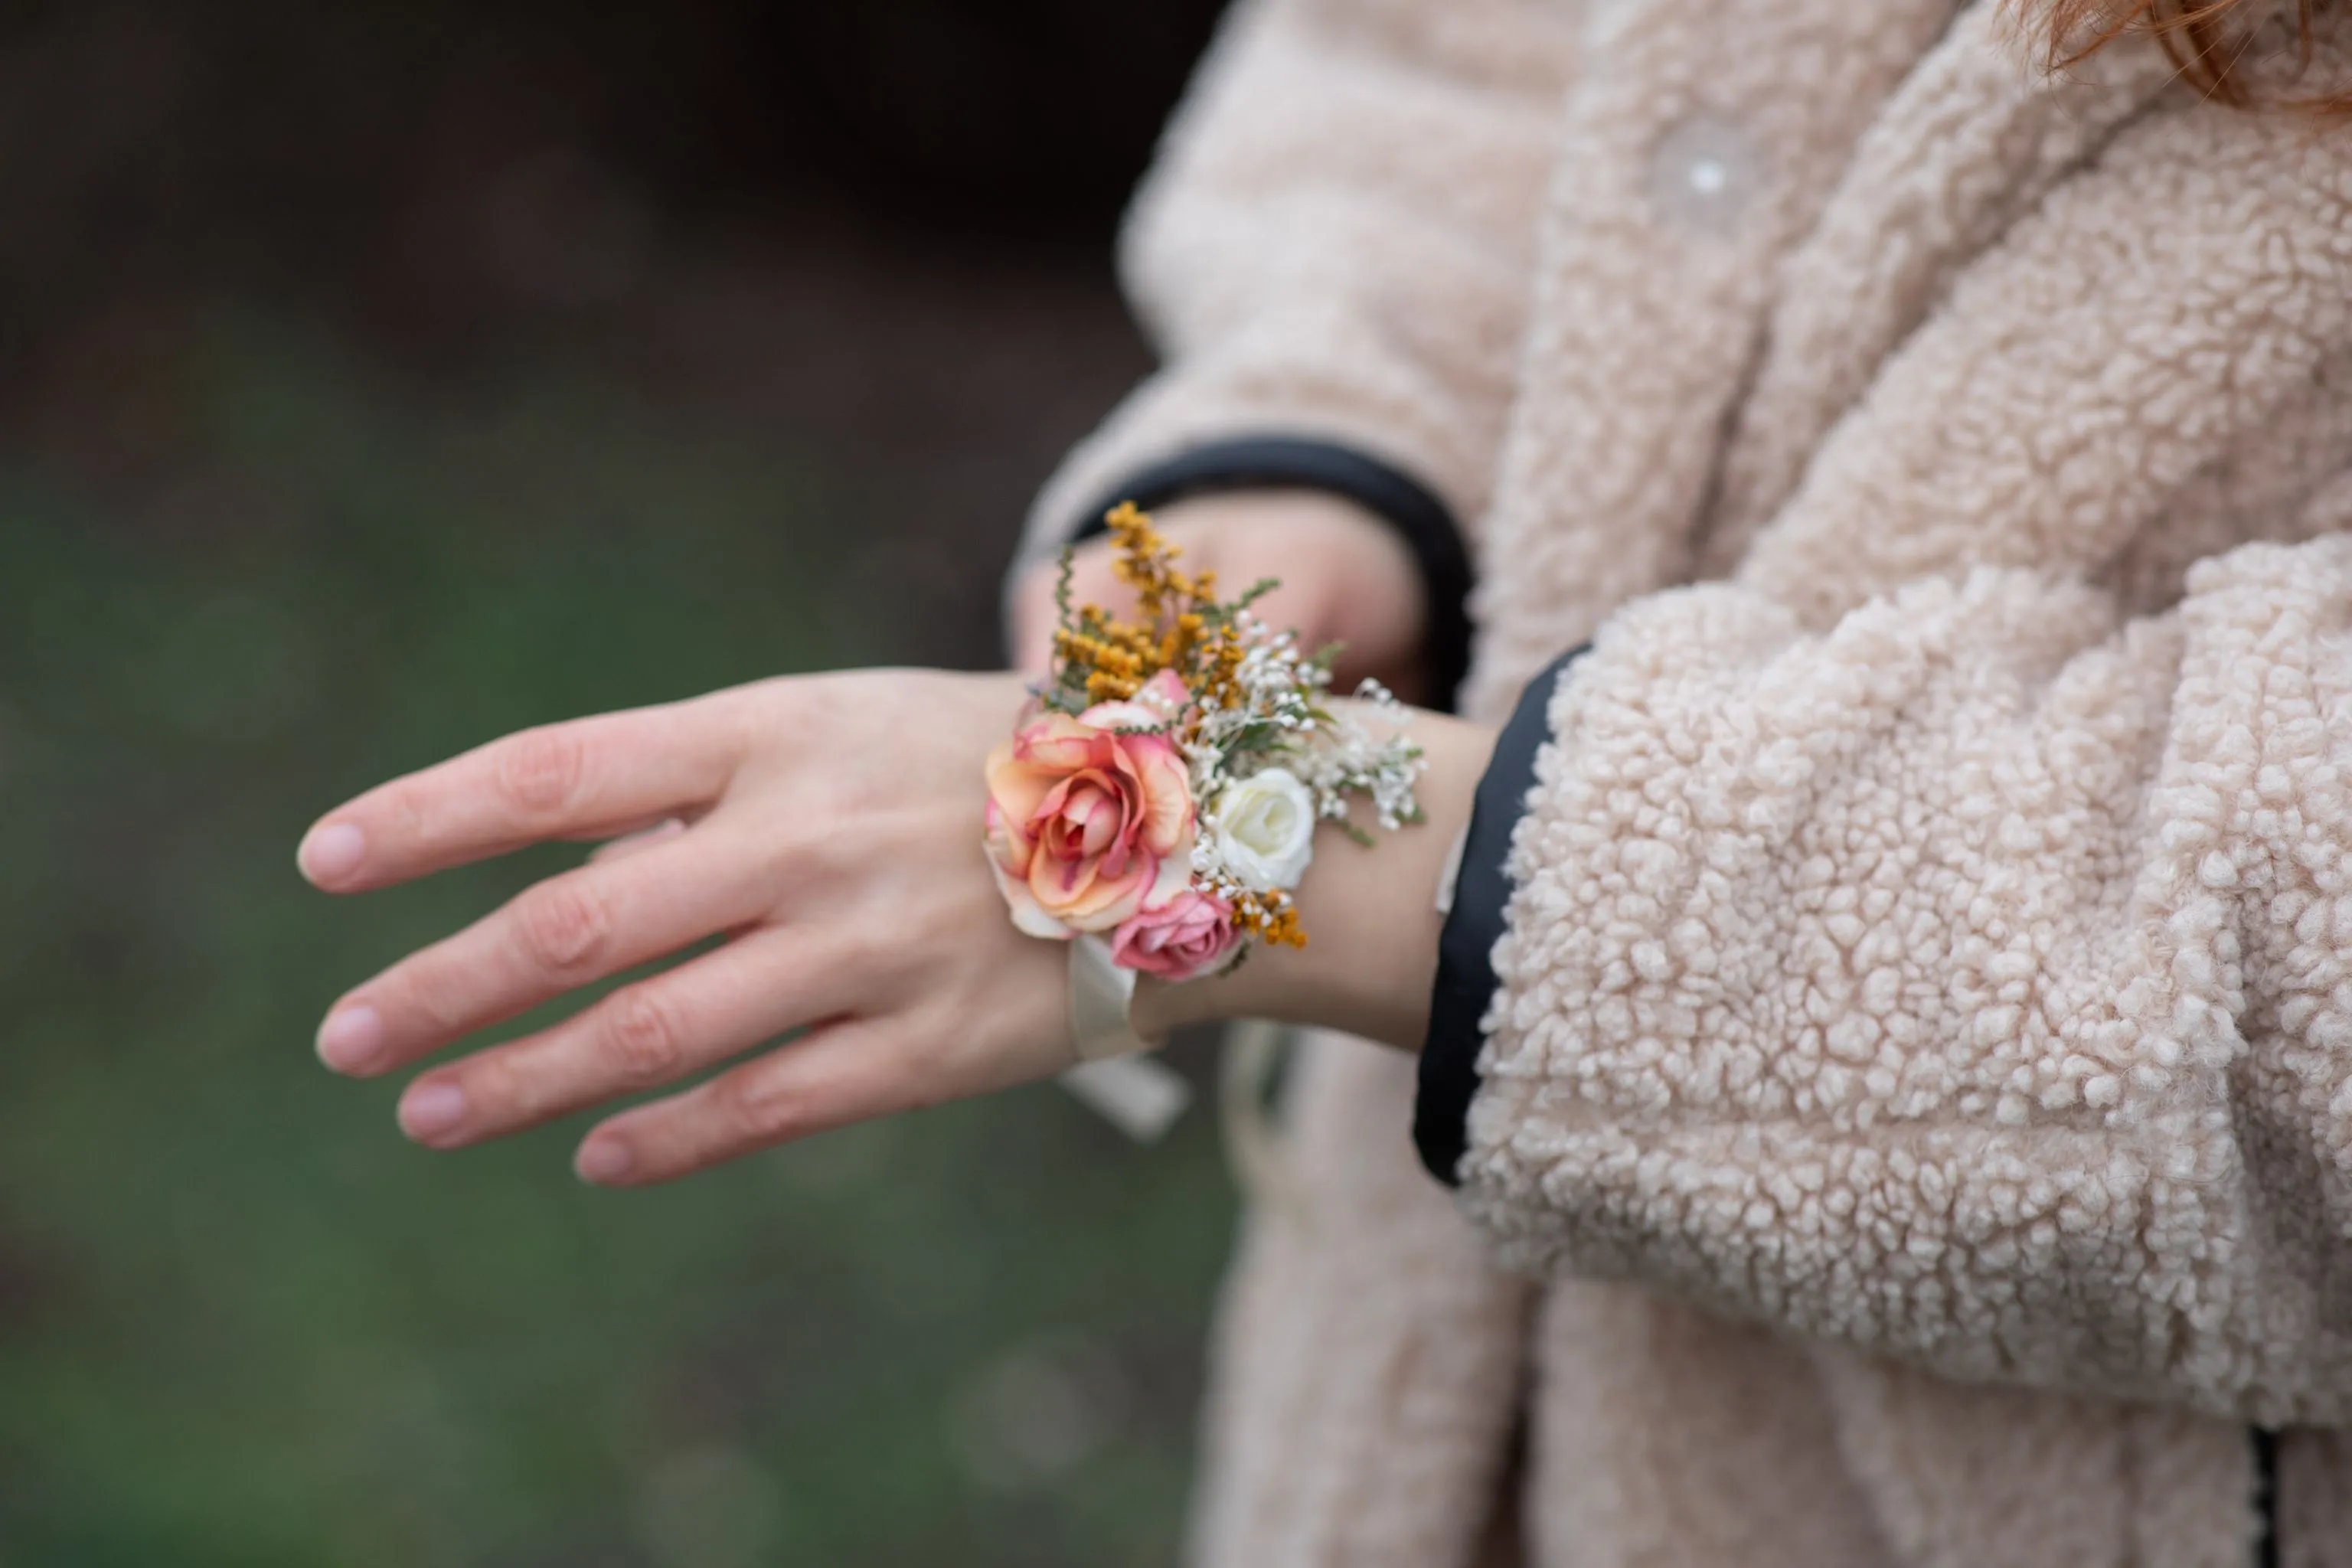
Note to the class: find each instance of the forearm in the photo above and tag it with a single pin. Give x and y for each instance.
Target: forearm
(1951, 985)
(1372, 914)
(1307, 206)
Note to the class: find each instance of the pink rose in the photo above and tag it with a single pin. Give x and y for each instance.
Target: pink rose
(1165, 695)
(1184, 938)
(1086, 825)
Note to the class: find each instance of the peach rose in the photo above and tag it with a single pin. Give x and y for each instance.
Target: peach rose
(1186, 937)
(1088, 823)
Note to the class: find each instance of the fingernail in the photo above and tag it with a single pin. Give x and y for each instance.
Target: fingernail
(603, 1162)
(351, 1037)
(432, 1109)
(331, 853)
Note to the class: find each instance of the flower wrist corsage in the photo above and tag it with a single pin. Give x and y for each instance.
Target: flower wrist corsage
(1157, 805)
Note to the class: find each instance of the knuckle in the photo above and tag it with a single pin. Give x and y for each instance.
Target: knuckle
(427, 1002)
(751, 1112)
(732, 719)
(812, 862)
(645, 1036)
(501, 1093)
(538, 771)
(412, 822)
(561, 925)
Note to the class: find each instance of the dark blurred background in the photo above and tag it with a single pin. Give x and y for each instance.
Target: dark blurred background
(377, 378)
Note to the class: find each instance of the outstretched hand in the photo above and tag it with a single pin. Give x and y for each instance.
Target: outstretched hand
(827, 827)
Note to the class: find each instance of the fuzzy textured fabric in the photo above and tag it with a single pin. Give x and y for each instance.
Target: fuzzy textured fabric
(1916, 1117)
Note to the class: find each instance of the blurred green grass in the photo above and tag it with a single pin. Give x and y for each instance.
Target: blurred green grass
(240, 1320)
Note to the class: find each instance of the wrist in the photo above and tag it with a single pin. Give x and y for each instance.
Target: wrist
(1373, 912)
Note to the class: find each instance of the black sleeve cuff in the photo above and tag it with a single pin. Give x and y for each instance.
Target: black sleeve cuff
(1307, 463)
(1465, 948)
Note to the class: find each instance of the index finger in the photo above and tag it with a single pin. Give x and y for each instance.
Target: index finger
(585, 778)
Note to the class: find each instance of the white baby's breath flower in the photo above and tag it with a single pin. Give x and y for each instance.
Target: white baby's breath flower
(1265, 830)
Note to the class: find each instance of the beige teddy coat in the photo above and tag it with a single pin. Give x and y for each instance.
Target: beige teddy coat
(1916, 1120)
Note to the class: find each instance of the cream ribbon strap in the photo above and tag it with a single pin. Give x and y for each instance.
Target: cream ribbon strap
(1100, 994)
(1141, 1097)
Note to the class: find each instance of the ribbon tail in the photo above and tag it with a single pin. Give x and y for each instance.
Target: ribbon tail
(1140, 1097)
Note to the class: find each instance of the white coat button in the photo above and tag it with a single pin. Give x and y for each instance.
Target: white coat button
(1703, 176)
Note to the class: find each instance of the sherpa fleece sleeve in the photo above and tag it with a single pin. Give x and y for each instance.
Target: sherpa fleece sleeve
(1969, 983)
(1332, 257)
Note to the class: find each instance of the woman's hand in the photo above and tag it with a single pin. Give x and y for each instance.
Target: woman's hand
(833, 836)
(829, 828)
(1346, 578)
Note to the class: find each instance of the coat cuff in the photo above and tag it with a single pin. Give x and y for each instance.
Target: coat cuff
(1466, 947)
(1424, 523)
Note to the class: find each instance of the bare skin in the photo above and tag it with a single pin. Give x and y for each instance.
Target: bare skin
(828, 826)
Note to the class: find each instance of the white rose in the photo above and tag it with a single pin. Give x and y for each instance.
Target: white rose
(1266, 830)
